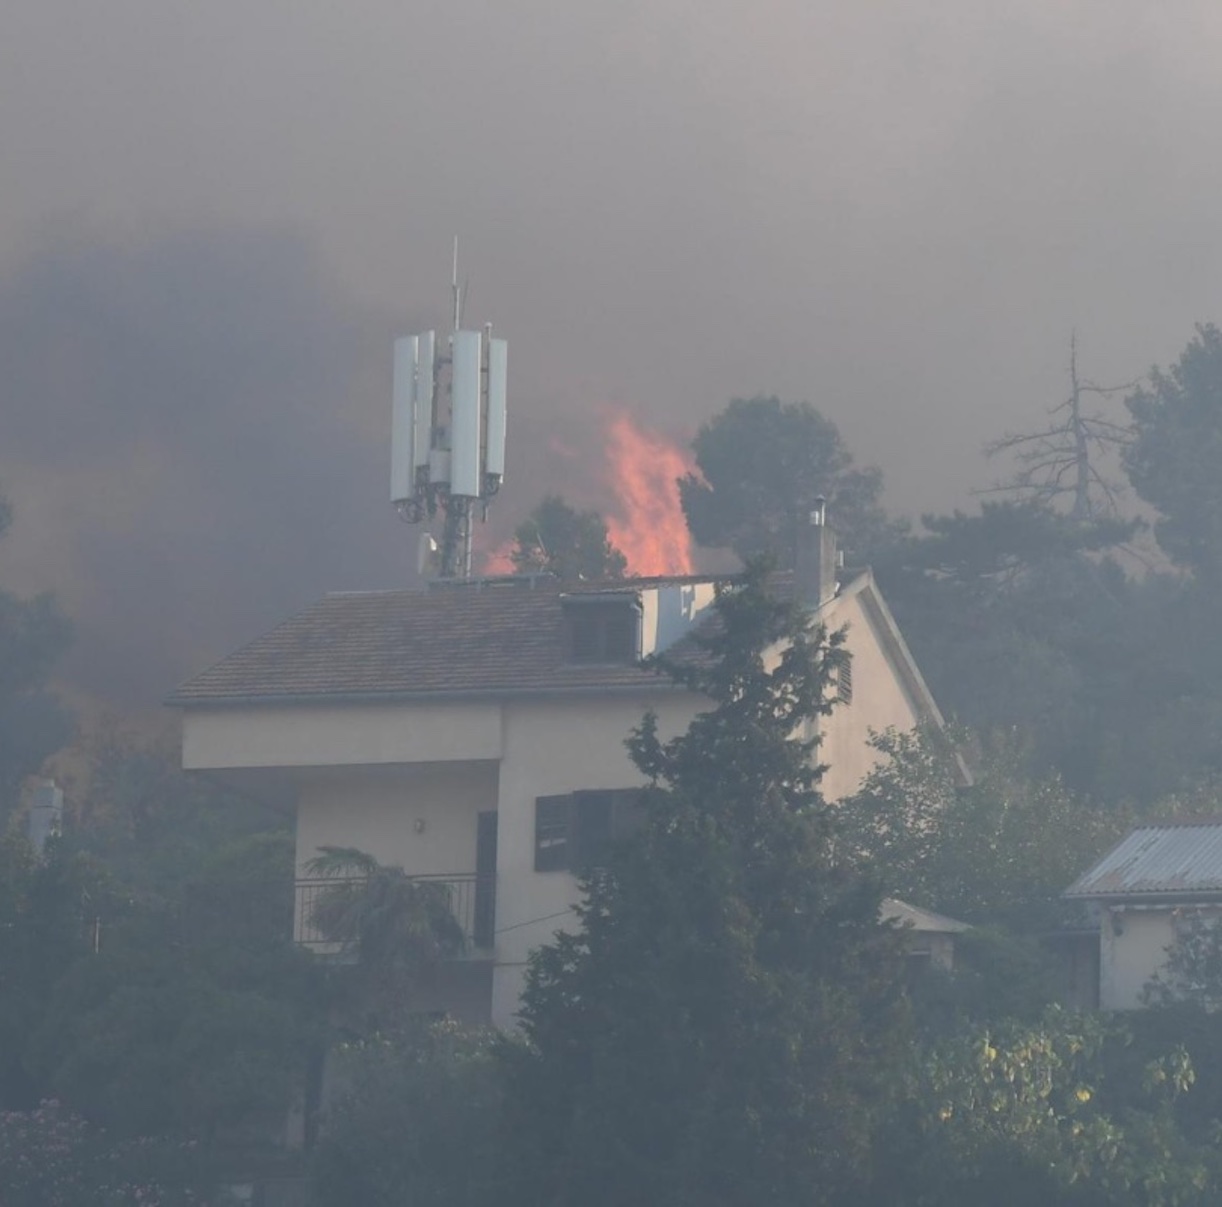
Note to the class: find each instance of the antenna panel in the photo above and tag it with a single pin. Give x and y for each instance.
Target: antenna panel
(439, 466)
(465, 476)
(425, 385)
(498, 363)
(403, 420)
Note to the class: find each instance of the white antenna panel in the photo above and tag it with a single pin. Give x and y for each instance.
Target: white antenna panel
(439, 466)
(465, 475)
(423, 439)
(498, 363)
(403, 420)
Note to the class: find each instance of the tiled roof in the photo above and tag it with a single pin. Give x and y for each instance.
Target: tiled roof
(495, 637)
(1172, 859)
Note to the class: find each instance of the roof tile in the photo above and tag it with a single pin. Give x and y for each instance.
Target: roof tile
(483, 637)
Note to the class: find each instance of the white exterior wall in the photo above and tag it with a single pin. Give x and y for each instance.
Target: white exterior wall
(421, 818)
(1132, 949)
(554, 747)
(340, 735)
(1133, 946)
(879, 703)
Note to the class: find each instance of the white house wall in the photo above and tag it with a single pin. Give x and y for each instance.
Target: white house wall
(879, 703)
(421, 818)
(553, 747)
(1133, 948)
(341, 735)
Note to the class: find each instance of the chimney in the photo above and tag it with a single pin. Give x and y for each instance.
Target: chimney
(815, 563)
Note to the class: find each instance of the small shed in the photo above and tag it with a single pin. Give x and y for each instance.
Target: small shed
(1142, 891)
(930, 936)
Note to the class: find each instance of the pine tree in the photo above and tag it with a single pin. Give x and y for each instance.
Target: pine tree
(724, 1025)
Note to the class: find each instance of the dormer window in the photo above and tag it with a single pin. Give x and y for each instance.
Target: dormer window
(599, 628)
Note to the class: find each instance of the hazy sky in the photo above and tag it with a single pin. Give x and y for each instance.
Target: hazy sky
(216, 215)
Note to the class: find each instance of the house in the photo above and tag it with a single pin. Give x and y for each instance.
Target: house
(473, 733)
(930, 936)
(1143, 893)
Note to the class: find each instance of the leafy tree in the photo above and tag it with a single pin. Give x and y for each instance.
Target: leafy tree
(1024, 1114)
(151, 824)
(389, 928)
(1177, 448)
(415, 1120)
(565, 542)
(762, 464)
(47, 907)
(1001, 850)
(1193, 969)
(1021, 620)
(724, 1025)
(195, 1017)
(33, 724)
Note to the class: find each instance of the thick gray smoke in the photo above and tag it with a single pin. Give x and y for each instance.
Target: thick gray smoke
(195, 443)
(187, 440)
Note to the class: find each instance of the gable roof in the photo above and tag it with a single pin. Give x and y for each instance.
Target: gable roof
(490, 637)
(1172, 859)
(918, 919)
(487, 637)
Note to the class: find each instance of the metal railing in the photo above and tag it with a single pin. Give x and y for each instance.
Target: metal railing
(471, 900)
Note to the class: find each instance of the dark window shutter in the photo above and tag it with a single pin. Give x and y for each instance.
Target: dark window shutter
(592, 824)
(628, 812)
(553, 827)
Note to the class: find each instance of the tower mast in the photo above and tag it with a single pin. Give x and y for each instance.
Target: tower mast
(448, 430)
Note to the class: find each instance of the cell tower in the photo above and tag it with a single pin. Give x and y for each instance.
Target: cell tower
(448, 432)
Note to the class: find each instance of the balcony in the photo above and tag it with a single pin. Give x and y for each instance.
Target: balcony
(470, 899)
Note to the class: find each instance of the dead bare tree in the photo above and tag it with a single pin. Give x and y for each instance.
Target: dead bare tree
(1062, 460)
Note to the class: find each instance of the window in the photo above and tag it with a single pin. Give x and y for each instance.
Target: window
(552, 833)
(844, 678)
(576, 831)
(601, 631)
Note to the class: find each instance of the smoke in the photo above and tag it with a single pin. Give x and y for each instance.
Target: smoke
(188, 441)
(195, 442)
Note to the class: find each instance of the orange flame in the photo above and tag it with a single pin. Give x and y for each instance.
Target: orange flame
(650, 529)
(498, 560)
(645, 522)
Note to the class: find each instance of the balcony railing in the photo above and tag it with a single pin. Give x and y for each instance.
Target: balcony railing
(471, 900)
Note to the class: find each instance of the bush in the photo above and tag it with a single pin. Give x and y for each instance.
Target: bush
(416, 1121)
(51, 1157)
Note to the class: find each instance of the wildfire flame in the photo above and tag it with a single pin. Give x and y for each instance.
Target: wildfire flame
(649, 527)
(645, 522)
(498, 560)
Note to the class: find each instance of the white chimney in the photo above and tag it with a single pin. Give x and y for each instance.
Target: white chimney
(816, 560)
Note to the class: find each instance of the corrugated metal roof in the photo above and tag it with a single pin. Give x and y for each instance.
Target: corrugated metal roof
(1177, 858)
